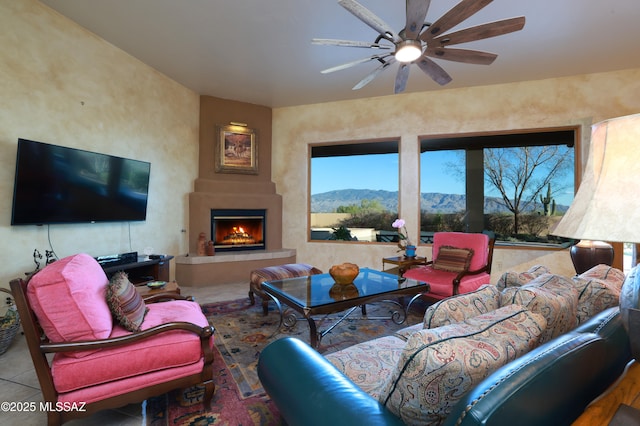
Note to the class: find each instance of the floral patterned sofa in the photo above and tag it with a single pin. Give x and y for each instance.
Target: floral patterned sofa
(421, 372)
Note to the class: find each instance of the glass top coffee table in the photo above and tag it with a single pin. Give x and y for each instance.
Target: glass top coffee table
(319, 294)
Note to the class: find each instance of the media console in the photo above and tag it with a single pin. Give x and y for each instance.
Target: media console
(142, 270)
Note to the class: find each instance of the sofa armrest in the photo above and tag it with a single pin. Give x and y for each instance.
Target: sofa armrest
(553, 383)
(309, 390)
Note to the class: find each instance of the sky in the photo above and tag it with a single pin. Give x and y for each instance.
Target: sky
(357, 172)
(381, 172)
(436, 175)
(354, 172)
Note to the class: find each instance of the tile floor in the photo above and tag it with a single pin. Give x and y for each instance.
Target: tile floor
(19, 383)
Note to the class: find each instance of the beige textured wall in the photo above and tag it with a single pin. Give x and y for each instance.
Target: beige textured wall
(63, 85)
(579, 100)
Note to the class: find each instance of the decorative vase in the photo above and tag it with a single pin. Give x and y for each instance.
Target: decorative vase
(201, 244)
(210, 248)
(410, 251)
(344, 273)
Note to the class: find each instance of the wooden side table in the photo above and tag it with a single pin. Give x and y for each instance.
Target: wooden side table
(403, 263)
(626, 391)
(170, 287)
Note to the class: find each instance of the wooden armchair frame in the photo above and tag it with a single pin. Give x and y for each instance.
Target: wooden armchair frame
(40, 346)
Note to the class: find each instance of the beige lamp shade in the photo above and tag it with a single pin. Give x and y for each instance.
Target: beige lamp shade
(607, 205)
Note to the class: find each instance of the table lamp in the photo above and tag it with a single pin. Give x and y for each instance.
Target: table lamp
(607, 204)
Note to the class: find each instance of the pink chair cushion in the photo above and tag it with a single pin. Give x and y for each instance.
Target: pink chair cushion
(441, 282)
(68, 297)
(168, 350)
(111, 389)
(477, 242)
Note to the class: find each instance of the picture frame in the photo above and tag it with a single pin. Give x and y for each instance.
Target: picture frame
(236, 150)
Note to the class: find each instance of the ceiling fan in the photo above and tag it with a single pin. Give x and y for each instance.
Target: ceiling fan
(420, 41)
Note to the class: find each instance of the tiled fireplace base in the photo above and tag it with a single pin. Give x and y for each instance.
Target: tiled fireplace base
(226, 268)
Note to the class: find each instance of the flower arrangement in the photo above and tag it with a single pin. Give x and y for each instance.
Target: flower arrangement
(404, 242)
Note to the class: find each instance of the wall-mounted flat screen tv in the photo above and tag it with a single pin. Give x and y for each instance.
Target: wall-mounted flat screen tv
(56, 184)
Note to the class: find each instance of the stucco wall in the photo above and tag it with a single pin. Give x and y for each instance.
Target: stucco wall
(579, 100)
(61, 84)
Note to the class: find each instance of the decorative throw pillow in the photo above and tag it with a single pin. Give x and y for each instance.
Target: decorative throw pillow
(515, 279)
(439, 365)
(553, 296)
(453, 259)
(462, 306)
(614, 277)
(125, 302)
(594, 296)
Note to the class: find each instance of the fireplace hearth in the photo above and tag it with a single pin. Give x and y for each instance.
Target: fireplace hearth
(238, 229)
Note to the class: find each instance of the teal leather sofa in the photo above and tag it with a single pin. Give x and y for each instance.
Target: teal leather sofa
(551, 384)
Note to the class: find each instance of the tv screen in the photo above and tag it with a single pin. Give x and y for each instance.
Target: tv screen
(56, 184)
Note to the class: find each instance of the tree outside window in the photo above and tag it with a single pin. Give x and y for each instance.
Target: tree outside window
(517, 186)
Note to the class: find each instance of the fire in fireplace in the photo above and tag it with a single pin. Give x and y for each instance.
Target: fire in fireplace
(235, 230)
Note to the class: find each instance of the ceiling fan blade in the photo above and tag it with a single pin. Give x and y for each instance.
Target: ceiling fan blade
(401, 77)
(433, 70)
(373, 74)
(480, 32)
(348, 43)
(453, 17)
(352, 63)
(416, 14)
(369, 18)
(462, 55)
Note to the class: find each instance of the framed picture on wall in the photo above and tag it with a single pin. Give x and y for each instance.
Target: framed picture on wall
(236, 150)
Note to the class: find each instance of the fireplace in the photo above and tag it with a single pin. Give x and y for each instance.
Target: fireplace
(238, 230)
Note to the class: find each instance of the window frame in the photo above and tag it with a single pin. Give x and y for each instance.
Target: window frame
(502, 139)
(367, 146)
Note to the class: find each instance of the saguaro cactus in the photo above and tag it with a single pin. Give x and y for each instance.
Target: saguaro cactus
(548, 203)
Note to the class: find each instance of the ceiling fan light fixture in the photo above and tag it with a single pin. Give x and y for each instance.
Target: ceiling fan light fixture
(420, 40)
(408, 51)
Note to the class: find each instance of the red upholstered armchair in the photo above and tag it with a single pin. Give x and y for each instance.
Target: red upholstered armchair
(461, 262)
(96, 362)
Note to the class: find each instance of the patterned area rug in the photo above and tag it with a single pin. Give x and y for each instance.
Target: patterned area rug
(242, 331)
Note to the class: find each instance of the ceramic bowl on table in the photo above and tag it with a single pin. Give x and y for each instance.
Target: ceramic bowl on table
(344, 273)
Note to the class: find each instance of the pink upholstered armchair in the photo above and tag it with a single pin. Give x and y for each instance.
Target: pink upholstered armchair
(97, 362)
(461, 262)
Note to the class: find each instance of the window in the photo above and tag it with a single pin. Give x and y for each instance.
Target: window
(516, 185)
(354, 191)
